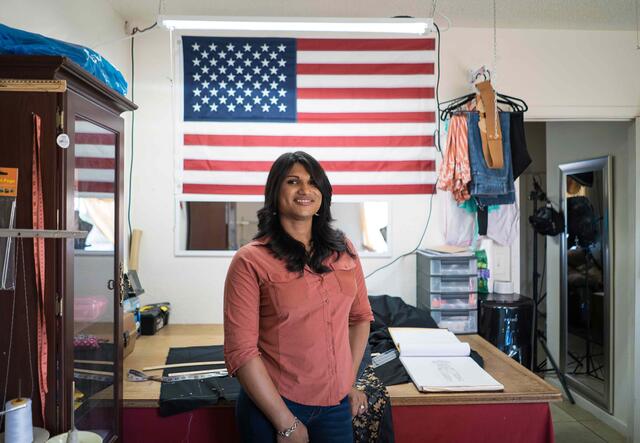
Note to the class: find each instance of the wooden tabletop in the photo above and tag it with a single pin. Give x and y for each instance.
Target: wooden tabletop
(520, 385)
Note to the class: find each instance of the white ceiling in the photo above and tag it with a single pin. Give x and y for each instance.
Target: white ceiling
(614, 15)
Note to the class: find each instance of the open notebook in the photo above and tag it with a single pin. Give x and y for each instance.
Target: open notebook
(437, 361)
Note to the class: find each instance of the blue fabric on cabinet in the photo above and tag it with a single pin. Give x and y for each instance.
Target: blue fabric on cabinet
(18, 42)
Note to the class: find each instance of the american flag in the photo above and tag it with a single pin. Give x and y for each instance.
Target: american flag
(364, 108)
(95, 160)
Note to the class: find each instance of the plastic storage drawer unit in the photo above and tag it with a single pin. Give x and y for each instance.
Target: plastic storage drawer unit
(444, 301)
(458, 322)
(458, 285)
(449, 265)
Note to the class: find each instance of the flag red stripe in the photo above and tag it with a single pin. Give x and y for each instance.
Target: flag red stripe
(95, 163)
(364, 69)
(337, 189)
(366, 117)
(394, 44)
(348, 93)
(308, 141)
(89, 138)
(86, 186)
(334, 166)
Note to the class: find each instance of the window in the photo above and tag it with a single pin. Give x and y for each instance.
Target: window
(213, 227)
(95, 215)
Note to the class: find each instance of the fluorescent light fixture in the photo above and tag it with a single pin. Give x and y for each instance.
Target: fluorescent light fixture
(417, 26)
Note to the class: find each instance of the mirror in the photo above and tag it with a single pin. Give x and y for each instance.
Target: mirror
(586, 288)
(227, 226)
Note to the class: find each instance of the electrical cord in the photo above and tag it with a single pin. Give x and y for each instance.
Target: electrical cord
(436, 137)
(135, 31)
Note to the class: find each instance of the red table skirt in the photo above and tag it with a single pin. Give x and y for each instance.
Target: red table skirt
(488, 423)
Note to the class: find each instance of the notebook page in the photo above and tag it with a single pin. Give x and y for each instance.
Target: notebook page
(434, 374)
(428, 342)
(434, 350)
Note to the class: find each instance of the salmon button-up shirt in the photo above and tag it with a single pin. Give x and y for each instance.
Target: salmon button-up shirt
(298, 324)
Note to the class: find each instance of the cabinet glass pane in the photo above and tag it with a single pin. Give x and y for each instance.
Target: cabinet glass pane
(94, 280)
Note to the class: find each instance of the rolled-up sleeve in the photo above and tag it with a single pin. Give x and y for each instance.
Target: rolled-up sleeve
(361, 308)
(241, 313)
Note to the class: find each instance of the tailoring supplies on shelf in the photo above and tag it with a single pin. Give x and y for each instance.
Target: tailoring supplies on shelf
(18, 424)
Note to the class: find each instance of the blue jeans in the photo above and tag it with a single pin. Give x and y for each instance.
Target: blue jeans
(325, 424)
(490, 186)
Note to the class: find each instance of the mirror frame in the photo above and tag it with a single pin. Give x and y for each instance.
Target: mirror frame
(604, 164)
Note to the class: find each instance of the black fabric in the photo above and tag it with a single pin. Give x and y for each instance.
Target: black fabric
(90, 384)
(483, 220)
(375, 424)
(520, 158)
(547, 221)
(582, 222)
(584, 178)
(187, 395)
(388, 312)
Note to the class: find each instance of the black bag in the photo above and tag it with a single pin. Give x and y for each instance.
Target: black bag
(547, 221)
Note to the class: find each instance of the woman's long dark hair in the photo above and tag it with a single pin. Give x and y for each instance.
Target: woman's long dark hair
(326, 240)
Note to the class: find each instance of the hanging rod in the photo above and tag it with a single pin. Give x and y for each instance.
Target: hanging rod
(41, 233)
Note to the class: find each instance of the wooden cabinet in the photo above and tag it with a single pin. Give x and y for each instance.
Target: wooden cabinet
(82, 190)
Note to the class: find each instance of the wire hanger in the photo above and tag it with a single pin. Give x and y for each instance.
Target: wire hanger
(454, 106)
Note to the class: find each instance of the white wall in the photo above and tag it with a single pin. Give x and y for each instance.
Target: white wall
(636, 292)
(552, 70)
(573, 141)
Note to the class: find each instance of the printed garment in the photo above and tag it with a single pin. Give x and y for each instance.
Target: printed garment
(455, 171)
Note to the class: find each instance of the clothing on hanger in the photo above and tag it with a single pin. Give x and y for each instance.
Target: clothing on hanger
(489, 125)
(459, 224)
(503, 224)
(455, 170)
(490, 186)
(520, 159)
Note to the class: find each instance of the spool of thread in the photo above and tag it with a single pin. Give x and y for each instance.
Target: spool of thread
(18, 428)
(502, 287)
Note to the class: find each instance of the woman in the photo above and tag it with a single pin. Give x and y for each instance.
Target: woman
(296, 314)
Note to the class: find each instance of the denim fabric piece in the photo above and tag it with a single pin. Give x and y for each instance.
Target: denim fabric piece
(490, 186)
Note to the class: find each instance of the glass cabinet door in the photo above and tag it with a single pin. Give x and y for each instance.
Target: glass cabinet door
(94, 285)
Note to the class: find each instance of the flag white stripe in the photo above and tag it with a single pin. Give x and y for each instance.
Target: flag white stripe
(95, 175)
(336, 178)
(359, 57)
(94, 194)
(82, 126)
(365, 81)
(95, 151)
(308, 129)
(365, 105)
(241, 153)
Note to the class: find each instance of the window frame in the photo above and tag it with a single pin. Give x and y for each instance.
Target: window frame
(178, 252)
